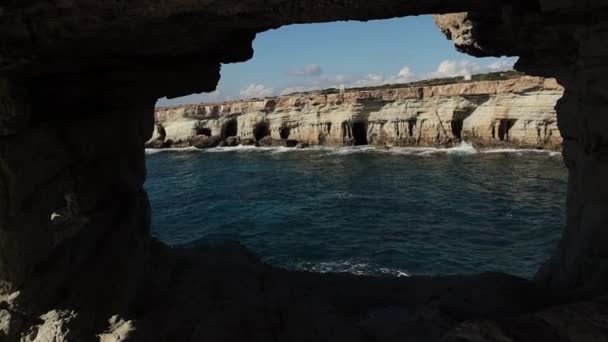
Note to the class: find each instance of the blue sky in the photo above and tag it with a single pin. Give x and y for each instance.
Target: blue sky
(317, 56)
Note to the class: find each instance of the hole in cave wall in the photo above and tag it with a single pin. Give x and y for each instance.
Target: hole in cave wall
(205, 131)
(420, 93)
(201, 129)
(456, 126)
(229, 129)
(504, 126)
(284, 132)
(458, 117)
(359, 133)
(160, 130)
(411, 124)
(261, 130)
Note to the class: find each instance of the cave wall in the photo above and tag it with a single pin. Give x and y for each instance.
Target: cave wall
(93, 254)
(78, 82)
(568, 42)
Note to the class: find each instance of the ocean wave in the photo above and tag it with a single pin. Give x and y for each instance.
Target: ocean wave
(521, 151)
(352, 267)
(171, 149)
(351, 150)
(239, 148)
(463, 149)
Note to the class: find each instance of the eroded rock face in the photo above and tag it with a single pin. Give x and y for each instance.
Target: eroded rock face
(518, 112)
(567, 42)
(94, 256)
(75, 75)
(577, 321)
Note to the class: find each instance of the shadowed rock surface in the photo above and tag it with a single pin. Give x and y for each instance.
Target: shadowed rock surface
(74, 76)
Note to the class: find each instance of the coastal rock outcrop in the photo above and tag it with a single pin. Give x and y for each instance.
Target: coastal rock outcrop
(203, 141)
(71, 72)
(516, 111)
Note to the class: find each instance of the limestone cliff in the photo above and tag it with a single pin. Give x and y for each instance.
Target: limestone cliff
(518, 111)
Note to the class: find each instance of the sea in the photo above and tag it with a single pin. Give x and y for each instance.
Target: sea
(365, 210)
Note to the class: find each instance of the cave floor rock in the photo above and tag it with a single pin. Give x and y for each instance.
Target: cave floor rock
(223, 292)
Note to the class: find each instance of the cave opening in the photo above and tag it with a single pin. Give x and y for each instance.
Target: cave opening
(284, 132)
(359, 133)
(456, 126)
(261, 130)
(411, 124)
(504, 127)
(204, 131)
(229, 129)
(200, 128)
(281, 117)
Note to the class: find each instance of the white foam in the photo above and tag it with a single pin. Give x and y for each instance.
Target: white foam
(521, 151)
(463, 149)
(284, 149)
(239, 148)
(171, 149)
(352, 267)
(346, 150)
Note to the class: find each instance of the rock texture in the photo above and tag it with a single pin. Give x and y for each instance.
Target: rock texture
(518, 112)
(78, 83)
(567, 43)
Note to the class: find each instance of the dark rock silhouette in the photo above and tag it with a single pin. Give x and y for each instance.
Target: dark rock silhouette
(70, 72)
(204, 141)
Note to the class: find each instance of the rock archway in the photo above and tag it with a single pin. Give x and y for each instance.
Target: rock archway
(230, 129)
(359, 130)
(261, 130)
(74, 76)
(284, 132)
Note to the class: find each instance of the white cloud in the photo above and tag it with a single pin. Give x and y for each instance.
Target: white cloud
(309, 70)
(451, 68)
(447, 68)
(502, 65)
(405, 75)
(290, 90)
(214, 95)
(406, 72)
(333, 80)
(256, 90)
(370, 80)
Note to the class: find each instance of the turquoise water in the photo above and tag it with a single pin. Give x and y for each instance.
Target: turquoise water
(365, 210)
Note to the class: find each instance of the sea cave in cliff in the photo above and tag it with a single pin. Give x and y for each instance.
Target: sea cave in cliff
(504, 127)
(359, 130)
(456, 126)
(284, 132)
(229, 129)
(261, 130)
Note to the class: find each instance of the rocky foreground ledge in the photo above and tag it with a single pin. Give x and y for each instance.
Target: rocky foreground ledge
(222, 292)
(508, 110)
